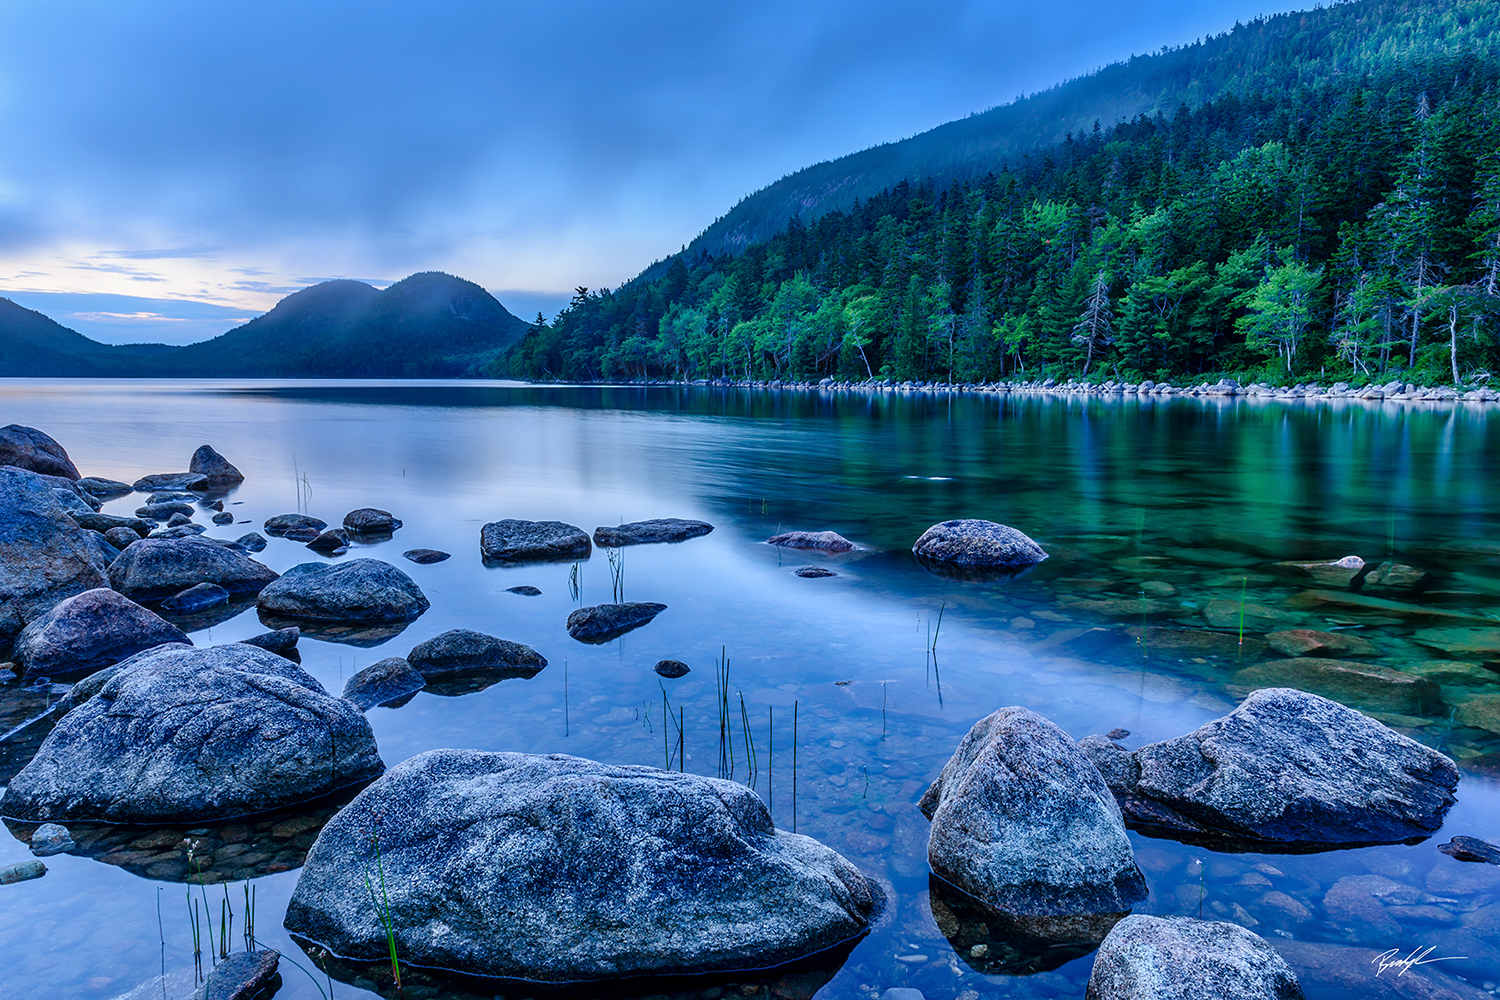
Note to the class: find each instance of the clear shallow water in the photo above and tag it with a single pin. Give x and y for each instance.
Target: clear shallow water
(1152, 509)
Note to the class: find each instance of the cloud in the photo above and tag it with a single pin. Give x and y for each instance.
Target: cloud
(178, 253)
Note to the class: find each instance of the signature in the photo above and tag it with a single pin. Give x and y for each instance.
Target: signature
(1392, 960)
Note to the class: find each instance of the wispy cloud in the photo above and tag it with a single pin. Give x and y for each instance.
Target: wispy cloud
(179, 252)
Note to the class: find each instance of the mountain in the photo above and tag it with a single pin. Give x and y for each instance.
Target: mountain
(1269, 57)
(429, 325)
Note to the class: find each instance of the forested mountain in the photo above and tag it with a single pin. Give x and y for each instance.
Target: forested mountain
(32, 345)
(1333, 212)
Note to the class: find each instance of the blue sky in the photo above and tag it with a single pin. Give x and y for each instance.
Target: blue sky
(172, 168)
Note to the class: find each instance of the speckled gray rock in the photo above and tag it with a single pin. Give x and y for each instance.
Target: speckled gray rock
(49, 839)
(361, 590)
(74, 503)
(88, 632)
(604, 622)
(388, 680)
(463, 649)
(104, 488)
(813, 572)
(164, 510)
(105, 552)
(333, 542)
(425, 557)
(108, 522)
(180, 531)
(533, 541)
(371, 521)
(660, 529)
(122, 538)
(1023, 821)
(28, 448)
(214, 467)
(250, 541)
(223, 517)
(1285, 766)
(981, 544)
(283, 523)
(182, 735)
(283, 640)
(672, 668)
(171, 481)
(242, 976)
(1180, 958)
(199, 597)
(157, 568)
(821, 541)
(45, 556)
(595, 871)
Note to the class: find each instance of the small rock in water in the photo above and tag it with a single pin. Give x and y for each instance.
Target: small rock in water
(171, 481)
(603, 622)
(283, 523)
(365, 591)
(388, 680)
(1481, 712)
(199, 597)
(1117, 734)
(1152, 958)
(50, 839)
(241, 976)
(672, 668)
(21, 872)
(1335, 573)
(1349, 682)
(1226, 614)
(223, 517)
(333, 542)
(514, 540)
(661, 529)
(978, 543)
(813, 572)
(181, 531)
(251, 541)
(179, 519)
(1471, 849)
(171, 496)
(525, 590)
(300, 534)
(214, 467)
(1395, 576)
(162, 511)
(88, 632)
(463, 649)
(153, 569)
(121, 537)
(104, 488)
(425, 556)
(822, 541)
(369, 520)
(282, 641)
(1311, 642)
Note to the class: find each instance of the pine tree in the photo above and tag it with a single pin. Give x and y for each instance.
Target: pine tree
(1095, 329)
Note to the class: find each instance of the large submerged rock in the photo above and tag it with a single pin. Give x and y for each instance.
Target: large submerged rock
(1286, 766)
(975, 544)
(88, 632)
(389, 680)
(594, 871)
(156, 568)
(603, 622)
(30, 449)
(462, 660)
(533, 541)
(44, 556)
(366, 591)
(177, 734)
(660, 529)
(817, 541)
(1177, 958)
(1023, 821)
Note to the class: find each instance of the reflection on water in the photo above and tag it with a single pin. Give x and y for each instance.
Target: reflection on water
(1163, 600)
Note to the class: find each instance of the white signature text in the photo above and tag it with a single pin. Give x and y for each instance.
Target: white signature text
(1392, 960)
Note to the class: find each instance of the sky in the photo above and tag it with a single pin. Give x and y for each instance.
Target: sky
(169, 170)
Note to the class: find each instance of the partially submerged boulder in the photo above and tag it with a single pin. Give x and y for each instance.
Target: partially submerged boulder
(976, 544)
(104, 488)
(425, 557)
(533, 541)
(171, 481)
(1176, 958)
(215, 468)
(463, 649)
(603, 622)
(88, 632)
(371, 521)
(1349, 682)
(281, 524)
(177, 734)
(366, 591)
(1024, 822)
(45, 556)
(382, 682)
(660, 529)
(595, 871)
(156, 568)
(819, 541)
(1285, 767)
(199, 597)
(1331, 573)
(30, 449)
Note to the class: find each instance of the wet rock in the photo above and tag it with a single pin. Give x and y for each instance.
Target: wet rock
(88, 632)
(192, 735)
(121, 538)
(332, 542)
(1349, 682)
(1283, 910)
(525, 590)
(241, 976)
(50, 839)
(370, 521)
(1336, 573)
(672, 668)
(1257, 617)
(178, 520)
(813, 572)
(1123, 608)
(388, 680)
(199, 597)
(604, 622)
(281, 524)
(363, 590)
(533, 541)
(596, 871)
(180, 531)
(995, 943)
(281, 641)
(462, 651)
(822, 541)
(1461, 641)
(1016, 789)
(661, 529)
(45, 556)
(215, 468)
(28, 448)
(1190, 642)
(360, 634)
(1472, 849)
(223, 517)
(1393, 576)
(157, 568)
(1320, 599)
(251, 541)
(1355, 971)
(108, 522)
(171, 481)
(1175, 958)
(972, 542)
(1311, 642)
(22, 872)
(1481, 712)
(71, 502)
(102, 488)
(425, 557)
(1285, 767)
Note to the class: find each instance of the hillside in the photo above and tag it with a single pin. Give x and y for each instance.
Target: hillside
(33, 346)
(1269, 57)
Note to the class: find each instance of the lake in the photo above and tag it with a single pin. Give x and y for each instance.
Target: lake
(1152, 509)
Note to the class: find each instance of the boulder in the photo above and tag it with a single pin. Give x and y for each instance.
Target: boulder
(157, 568)
(1024, 822)
(1311, 642)
(1178, 958)
(178, 520)
(820, 541)
(390, 679)
(195, 735)
(223, 517)
(595, 872)
(1349, 682)
(108, 522)
(180, 531)
(672, 668)
(88, 632)
(333, 542)
(525, 590)
(1393, 576)
(1481, 712)
(370, 521)
(163, 510)
(660, 529)
(424, 557)
(1234, 615)
(1472, 849)
(45, 556)
(973, 543)
(365, 591)
(461, 649)
(121, 538)
(199, 597)
(1285, 767)
(104, 488)
(214, 467)
(1333, 573)
(283, 523)
(529, 541)
(50, 839)
(28, 448)
(603, 622)
(251, 541)
(171, 481)
(813, 572)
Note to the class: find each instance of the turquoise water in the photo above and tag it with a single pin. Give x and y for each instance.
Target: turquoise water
(1152, 510)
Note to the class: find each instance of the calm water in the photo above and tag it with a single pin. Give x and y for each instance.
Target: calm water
(1152, 510)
